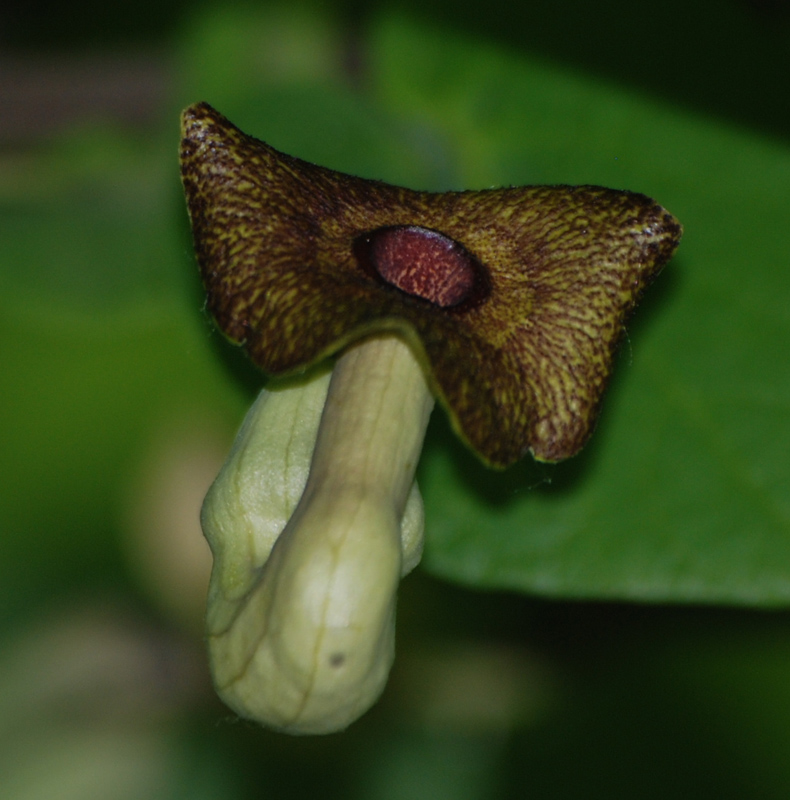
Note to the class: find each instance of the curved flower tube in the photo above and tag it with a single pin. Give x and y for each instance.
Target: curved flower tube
(311, 532)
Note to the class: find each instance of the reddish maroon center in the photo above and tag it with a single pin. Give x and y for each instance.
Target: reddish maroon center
(424, 263)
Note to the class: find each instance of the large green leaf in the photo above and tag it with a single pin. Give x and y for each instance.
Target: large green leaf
(683, 494)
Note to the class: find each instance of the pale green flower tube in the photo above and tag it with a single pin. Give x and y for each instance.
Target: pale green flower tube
(312, 521)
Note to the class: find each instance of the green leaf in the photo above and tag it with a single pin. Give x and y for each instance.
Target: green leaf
(682, 494)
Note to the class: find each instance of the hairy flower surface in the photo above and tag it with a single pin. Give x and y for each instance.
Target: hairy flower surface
(513, 300)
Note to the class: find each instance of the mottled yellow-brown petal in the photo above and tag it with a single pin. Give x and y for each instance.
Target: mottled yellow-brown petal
(520, 361)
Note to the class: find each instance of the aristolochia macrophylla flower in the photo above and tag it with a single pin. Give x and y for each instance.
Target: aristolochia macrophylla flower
(514, 300)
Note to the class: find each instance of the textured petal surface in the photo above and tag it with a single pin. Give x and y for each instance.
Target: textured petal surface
(521, 366)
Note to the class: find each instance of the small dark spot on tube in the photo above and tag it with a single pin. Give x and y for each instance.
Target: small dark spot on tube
(337, 660)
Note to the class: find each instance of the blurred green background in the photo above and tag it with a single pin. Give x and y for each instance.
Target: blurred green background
(610, 627)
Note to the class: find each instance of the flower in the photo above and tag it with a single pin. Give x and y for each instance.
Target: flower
(507, 305)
